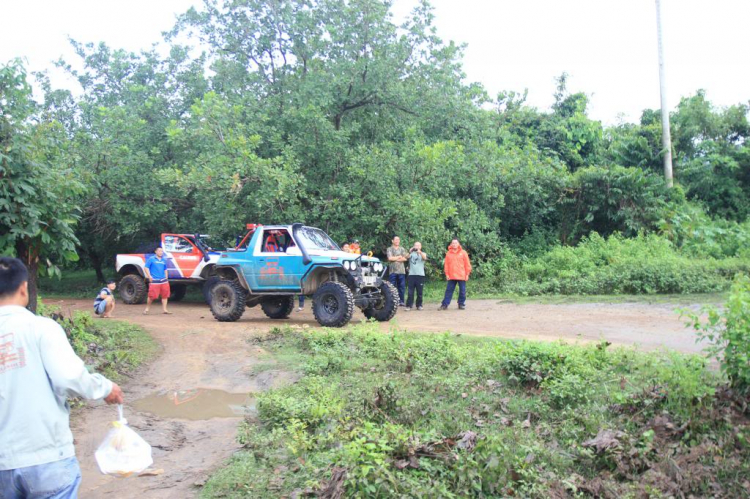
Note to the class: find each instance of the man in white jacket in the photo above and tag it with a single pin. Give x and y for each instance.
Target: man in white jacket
(38, 370)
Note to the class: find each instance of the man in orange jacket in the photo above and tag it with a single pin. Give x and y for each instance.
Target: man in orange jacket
(457, 270)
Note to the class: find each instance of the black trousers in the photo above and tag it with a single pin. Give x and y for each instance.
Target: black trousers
(415, 282)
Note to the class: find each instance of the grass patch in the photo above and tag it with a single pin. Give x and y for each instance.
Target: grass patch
(423, 415)
(72, 284)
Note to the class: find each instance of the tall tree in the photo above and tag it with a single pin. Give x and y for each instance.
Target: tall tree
(40, 194)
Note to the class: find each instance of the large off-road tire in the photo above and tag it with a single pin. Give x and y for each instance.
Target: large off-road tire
(333, 304)
(387, 305)
(133, 289)
(228, 301)
(208, 286)
(177, 292)
(277, 307)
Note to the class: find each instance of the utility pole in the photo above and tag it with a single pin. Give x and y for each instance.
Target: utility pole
(666, 139)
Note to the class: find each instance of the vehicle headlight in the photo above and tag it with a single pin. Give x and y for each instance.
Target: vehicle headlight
(354, 266)
(376, 267)
(346, 265)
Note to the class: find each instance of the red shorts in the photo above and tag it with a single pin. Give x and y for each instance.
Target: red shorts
(155, 290)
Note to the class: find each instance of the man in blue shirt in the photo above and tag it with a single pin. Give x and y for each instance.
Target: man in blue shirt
(104, 304)
(156, 274)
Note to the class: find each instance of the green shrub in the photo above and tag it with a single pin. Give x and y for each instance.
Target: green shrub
(310, 402)
(728, 333)
(646, 264)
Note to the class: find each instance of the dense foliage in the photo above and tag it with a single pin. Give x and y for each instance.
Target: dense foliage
(410, 415)
(329, 113)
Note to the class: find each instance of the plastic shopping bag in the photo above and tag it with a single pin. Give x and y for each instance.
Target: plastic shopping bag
(123, 452)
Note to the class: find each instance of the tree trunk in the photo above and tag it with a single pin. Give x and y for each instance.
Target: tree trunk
(32, 264)
(97, 263)
(33, 286)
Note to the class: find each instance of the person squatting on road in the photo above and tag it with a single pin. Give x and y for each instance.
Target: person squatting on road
(416, 278)
(156, 274)
(396, 269)
(38, 371)
(457, 270)
(104, 304)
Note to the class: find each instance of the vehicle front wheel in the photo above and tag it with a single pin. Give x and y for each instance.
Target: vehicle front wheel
(277, 307)
(133, 289)
(228, 301)
(333, 304)
(386, 306)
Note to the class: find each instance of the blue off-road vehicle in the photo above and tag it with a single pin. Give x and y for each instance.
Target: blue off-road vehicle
(274, 263)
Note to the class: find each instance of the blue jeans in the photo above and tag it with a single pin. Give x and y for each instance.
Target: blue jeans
(399, 280)
(450, 288)
(55, 480)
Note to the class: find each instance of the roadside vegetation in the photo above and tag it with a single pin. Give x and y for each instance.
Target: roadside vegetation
(113, 348)
(423, 415)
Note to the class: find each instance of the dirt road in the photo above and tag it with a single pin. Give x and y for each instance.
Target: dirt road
(199, 353)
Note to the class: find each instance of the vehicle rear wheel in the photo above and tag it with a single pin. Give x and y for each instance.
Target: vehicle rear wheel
(387, 305)
(333, 304)
(133, 289)
(277, 307)
(228, 301)
(177, 292)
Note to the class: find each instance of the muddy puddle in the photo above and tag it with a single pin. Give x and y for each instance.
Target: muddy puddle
(197, 404)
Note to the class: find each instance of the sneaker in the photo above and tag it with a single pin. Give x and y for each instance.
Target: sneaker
(402, 304)
(300, 309)
(407, 309)
(420, 308)
(462, 307)
(443, 307)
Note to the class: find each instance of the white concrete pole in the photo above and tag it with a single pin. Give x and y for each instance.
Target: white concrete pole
(666, 139)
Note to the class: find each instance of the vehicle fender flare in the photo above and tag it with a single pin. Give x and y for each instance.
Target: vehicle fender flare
(131, 268)
(231, 272)
(309, 282)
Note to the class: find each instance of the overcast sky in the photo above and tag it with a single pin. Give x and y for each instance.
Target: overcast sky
(608, 47)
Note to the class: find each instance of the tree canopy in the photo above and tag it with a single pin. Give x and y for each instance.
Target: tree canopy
(330, 113)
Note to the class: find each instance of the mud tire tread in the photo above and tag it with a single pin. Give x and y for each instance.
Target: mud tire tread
(273, 311)
(344, 295)
(140, 289)
(237, 308)
(390, 308)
